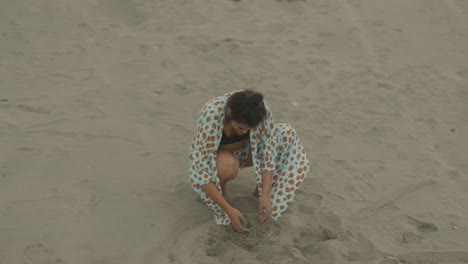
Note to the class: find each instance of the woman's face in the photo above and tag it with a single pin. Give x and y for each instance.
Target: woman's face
(239, 128)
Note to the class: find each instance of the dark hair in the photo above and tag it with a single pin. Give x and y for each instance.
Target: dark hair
(247, 107)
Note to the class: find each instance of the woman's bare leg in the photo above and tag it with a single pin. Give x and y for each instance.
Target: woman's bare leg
(228, 167)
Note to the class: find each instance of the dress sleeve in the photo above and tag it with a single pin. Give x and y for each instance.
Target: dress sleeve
(203, 149)
(268, 136)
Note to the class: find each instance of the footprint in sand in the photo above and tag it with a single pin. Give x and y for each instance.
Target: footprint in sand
(122, 11)
(44, 110)
(182, 89)
(463, 74)
(306, 209)
(28, 151)
(38, 253)
(318, 61)
(312, 201)
(309, 238)
(423, 227)
(213, 247)
(409, 238)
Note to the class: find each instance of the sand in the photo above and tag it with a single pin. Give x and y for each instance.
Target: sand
(98, 100)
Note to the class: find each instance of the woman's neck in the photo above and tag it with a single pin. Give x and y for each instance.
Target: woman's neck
(227, 128)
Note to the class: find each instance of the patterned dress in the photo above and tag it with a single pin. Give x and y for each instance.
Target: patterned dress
(274, 147)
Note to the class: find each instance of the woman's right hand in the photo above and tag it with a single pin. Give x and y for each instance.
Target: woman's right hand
(238, 220)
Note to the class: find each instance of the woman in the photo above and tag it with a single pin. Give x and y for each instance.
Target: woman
(237, 130)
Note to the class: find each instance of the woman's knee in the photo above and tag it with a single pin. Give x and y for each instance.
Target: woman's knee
(227, 165)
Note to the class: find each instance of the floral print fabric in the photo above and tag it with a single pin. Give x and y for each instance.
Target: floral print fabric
(274, 147)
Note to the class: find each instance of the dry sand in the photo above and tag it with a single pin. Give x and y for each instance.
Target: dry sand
(98, 100)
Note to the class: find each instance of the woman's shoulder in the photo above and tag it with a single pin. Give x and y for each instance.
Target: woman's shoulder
(213, 110)
(216, 103)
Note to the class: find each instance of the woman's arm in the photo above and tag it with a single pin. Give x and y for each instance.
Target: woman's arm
(237, 219)
(212, 192)
(266, 183)
(265, 205)
(268, 165)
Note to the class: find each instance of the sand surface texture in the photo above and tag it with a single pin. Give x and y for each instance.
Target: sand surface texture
(98, 100)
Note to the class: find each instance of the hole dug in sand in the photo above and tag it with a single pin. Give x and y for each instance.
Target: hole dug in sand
(275, 242)
(298, 237)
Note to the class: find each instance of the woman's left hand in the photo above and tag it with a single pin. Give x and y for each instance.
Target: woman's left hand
(264, 209)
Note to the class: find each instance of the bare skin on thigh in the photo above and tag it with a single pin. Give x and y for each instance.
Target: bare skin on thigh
(228, 164)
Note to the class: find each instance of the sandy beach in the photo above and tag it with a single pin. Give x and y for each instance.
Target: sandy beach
(98, 101)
